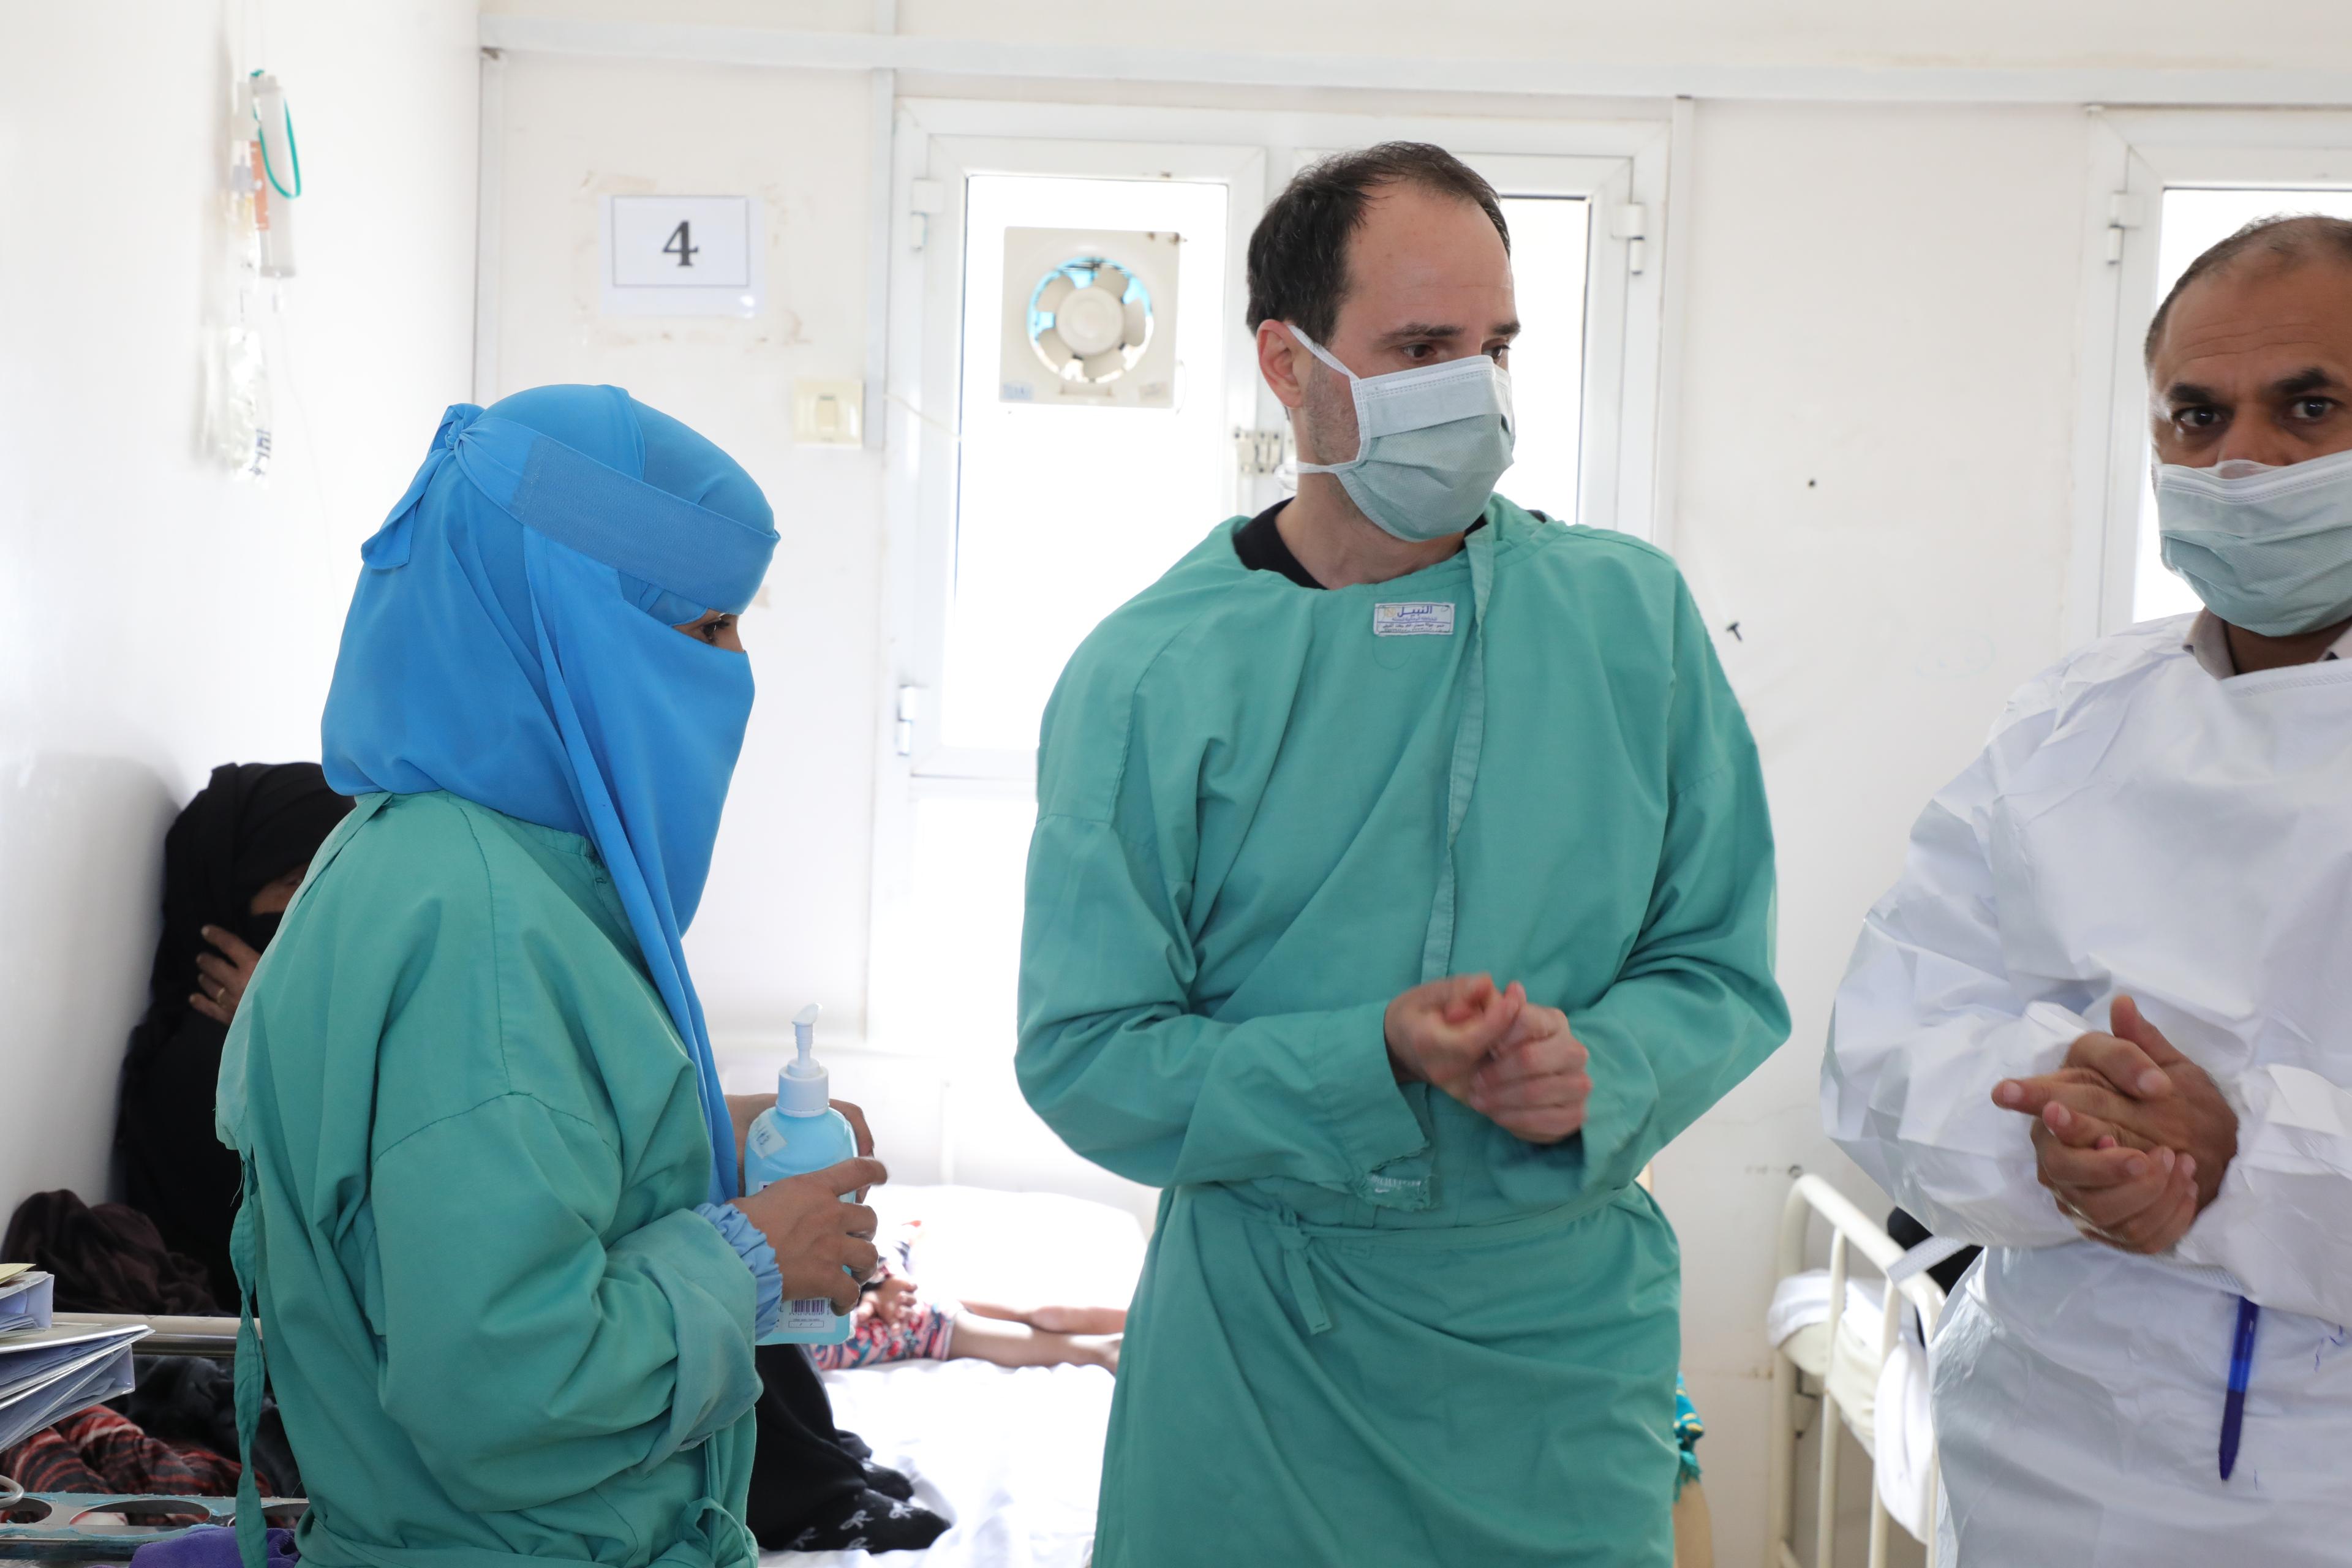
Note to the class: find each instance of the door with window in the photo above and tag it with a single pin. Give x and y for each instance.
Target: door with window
(1076, 404)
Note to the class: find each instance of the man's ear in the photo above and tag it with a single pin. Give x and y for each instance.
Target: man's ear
(1281, 361)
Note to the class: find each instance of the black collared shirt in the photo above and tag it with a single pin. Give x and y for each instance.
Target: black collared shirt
(1261, 546)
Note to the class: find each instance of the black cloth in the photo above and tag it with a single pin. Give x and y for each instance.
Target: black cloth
(1261, 548)
(253, 823)
(190, 1400)
(109, 1259)
(815, 1487)
(1908, 1232)
(1260, 545)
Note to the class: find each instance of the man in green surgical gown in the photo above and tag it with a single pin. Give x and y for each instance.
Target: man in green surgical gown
(1402, 883)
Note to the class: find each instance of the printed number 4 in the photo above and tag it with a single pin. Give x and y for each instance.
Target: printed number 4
(681, 245)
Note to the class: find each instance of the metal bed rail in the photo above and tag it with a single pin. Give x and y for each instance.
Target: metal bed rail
(1851, 1230)
(214, 1337)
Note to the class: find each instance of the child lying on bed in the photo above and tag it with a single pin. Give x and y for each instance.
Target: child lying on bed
(895, 1322)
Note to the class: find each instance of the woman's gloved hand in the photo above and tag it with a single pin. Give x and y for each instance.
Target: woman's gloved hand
(815, 1234)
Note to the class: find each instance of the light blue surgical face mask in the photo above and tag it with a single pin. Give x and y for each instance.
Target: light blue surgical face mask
(1430, 443)
(2267, 549)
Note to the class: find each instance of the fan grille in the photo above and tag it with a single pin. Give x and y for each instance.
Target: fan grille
(1090, 320)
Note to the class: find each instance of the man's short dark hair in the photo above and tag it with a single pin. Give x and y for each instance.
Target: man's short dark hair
(1298, 253)
(2286, 241)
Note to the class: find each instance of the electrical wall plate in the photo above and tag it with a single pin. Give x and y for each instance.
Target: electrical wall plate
(681, 256)
(1089, 317)
(829, 413)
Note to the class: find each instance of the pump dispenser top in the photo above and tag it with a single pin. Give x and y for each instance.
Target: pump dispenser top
(804, 1088)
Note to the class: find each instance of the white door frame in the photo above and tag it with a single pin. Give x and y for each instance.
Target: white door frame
(920, 585)
(2135, 155)
(1620, 166)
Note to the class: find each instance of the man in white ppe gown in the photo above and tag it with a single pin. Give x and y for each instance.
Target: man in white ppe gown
(2103, 1024)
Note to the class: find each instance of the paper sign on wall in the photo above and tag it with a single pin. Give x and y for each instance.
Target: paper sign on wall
(681, 256)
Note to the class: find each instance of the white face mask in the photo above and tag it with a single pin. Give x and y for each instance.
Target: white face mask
(2267, 549)
(1430, 443)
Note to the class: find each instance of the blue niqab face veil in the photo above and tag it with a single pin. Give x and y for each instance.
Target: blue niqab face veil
(510, 642)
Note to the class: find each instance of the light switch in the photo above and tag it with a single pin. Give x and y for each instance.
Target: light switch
(829, 413)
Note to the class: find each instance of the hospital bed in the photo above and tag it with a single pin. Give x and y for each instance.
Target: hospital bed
(1013, 1456)
(1828, 1373)
(89, 1527)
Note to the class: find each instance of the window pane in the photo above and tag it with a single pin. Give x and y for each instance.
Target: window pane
(1063, 513)
(2194, 220)
(1547, 261)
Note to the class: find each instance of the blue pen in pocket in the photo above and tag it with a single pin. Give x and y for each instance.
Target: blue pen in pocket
(2241, 1371)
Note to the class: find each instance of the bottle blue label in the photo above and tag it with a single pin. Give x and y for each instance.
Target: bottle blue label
(780, 1146)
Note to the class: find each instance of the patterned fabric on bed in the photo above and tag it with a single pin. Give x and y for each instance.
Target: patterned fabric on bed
(102, 1451)
(922, 1332)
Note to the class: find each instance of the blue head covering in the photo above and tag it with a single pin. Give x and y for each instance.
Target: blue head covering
(510, 642)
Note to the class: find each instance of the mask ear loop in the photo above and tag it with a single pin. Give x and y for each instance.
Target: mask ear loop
(1320, 351)
(1355, 393)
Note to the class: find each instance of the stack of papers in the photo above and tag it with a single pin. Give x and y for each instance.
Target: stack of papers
(26, 1296)
(49, 1373)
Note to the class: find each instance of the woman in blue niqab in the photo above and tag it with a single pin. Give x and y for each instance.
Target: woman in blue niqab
(486, 1159)
(535, 670)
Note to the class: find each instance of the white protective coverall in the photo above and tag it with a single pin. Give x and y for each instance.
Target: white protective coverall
(2135, 826)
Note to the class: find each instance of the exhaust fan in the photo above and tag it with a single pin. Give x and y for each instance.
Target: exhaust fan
(1089, 317)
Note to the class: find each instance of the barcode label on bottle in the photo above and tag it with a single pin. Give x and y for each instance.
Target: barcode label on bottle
(809, 1315)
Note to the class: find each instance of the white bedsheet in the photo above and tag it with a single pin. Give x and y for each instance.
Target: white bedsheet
(1013, 1457)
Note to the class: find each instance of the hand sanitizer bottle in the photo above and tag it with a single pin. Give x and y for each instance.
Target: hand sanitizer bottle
(802, 1132)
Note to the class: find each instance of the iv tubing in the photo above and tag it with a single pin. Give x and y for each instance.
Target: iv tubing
(293, 150)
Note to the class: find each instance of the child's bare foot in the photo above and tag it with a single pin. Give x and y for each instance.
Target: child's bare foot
(1096, 1349)
(1077, 1320)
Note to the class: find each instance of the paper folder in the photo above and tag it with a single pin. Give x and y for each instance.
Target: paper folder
(46, 1374)
(26, 1301)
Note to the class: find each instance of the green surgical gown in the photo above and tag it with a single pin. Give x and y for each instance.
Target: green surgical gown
(1374, 1328)
(496, 1325)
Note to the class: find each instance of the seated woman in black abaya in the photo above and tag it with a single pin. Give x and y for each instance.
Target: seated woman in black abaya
(231, 865)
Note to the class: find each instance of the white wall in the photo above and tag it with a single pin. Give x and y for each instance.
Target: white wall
(2004, 33)
(1876, 439)
(784, 919)
(2305, 34)
(158, 618)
